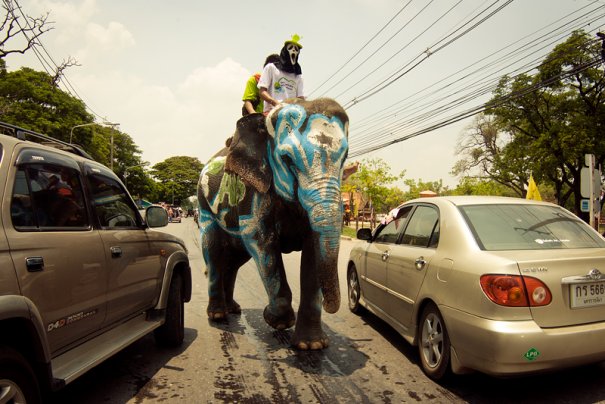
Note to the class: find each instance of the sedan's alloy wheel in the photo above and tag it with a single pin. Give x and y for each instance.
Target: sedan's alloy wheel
(432, 340)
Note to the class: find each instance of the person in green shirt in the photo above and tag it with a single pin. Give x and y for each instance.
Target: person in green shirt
(251, 97)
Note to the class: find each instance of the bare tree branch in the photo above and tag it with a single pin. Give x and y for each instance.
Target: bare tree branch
(64, 65)
(15, 24)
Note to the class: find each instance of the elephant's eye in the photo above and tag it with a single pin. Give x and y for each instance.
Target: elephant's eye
(287, 161)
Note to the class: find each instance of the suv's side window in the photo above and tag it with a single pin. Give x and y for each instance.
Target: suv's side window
(48, 197)
(112, 204)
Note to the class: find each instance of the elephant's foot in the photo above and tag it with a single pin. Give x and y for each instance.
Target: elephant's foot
(309, 340)
(220, 313)
(234, 308)
(282, 320)
(216, 310)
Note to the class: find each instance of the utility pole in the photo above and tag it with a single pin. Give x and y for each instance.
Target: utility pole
(113, 127)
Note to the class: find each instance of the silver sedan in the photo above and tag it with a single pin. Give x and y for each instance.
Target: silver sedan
(504, 286)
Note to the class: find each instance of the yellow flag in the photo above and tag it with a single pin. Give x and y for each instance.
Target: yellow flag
(532, 190)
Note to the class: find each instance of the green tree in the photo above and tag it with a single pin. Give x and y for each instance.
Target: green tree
(177, 178)
(371, 180)
(545, 123)
(416, 187)
(481, 186)
(394, 198)
(30, 99)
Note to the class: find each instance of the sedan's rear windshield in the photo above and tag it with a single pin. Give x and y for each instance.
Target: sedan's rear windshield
(528, 227)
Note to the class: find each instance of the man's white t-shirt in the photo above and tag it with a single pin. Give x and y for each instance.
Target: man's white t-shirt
(280, 85)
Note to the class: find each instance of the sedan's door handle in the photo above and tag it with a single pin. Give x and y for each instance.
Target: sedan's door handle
(116, 252)
(34, 264)
(385, 255)
(420, 263)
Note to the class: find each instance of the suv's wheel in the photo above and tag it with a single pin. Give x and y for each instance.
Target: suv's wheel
(172, 332)
(354, 290)
(434, 344)
(18, 382)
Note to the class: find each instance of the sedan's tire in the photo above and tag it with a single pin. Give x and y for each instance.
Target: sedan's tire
(172, 332)
(18, 383)
(434, 344)
(354, 290)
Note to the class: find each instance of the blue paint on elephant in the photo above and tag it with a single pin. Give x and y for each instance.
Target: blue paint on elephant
(317, 184)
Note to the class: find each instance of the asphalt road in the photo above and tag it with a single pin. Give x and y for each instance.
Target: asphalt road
(243, 360)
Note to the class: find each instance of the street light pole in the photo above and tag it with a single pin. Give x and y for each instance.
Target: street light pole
(71, 133)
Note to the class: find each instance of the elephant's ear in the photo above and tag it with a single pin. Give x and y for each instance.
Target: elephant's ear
(248, 151)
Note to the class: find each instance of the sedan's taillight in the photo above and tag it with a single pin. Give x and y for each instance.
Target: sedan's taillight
(515, 290)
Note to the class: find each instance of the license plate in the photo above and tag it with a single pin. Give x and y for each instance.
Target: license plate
(587, 294)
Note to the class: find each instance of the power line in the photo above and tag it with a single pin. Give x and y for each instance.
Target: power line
(383, 85)
(483, 86)
(380, 47)
(473, 90)
(480, 108)
(402, 49)
(46, 65)
(362, 48)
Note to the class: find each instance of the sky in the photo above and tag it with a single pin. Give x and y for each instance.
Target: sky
(172, 74)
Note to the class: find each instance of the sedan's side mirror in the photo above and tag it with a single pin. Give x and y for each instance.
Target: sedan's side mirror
(364, 234)
(156, 216)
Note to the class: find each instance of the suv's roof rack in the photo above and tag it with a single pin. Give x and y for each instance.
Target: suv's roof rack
(23, 134)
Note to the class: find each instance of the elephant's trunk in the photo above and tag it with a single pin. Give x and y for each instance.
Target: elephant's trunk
(326, 221)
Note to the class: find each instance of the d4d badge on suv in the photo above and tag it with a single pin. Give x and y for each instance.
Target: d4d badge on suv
(82, 274)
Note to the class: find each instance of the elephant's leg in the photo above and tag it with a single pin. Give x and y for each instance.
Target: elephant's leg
(278, 313)
(308, 333)
(222, 272)
(235, 261)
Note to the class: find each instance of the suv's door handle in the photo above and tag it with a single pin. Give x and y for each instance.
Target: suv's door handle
(34, 264)
(116, 252)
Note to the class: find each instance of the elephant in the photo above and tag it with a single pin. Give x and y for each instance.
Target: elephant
(274, 189)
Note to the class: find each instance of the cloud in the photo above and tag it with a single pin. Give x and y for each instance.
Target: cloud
(113, 37)
(192, 119)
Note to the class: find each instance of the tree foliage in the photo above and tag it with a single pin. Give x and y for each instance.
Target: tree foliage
(177, 177)
(416, 187)
(32, 100)
(371, 180)
(543, 124)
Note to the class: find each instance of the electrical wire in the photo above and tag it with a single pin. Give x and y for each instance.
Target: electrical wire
(382, 86)
(482, 107)
(362, 48)
(378, 135)
(52, 65)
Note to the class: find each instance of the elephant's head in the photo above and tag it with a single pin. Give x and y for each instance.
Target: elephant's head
(306, 149)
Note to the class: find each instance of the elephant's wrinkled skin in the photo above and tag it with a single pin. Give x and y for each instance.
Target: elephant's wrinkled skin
(274, 190)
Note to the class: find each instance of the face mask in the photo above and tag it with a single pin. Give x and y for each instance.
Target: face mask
(293, 50)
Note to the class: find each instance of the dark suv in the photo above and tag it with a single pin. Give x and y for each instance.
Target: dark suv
(82, 274)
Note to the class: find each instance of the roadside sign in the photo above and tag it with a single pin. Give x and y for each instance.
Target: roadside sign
(585, 181)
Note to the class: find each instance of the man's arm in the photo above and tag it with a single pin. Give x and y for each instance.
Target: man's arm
(249, 107)
(264, 94)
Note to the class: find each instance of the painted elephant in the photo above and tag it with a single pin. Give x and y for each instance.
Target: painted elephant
(276, 189)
